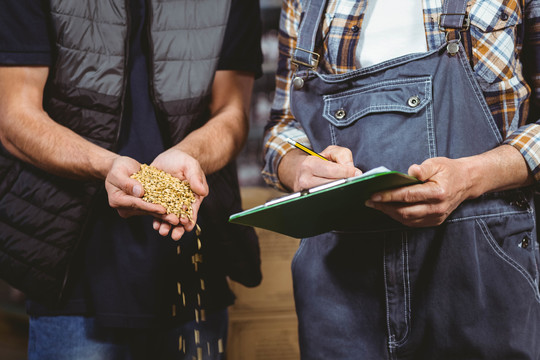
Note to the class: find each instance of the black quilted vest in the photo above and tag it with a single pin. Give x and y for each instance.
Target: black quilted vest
(44, 218)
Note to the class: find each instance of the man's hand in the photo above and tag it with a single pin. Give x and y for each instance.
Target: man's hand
(183, 166)
(210, 147)
(299, 171)
(446, 184)
(449, 182)
(125, 193)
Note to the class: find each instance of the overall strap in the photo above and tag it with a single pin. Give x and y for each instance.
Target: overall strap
(453, 21)
(454, 15)
(304, 54)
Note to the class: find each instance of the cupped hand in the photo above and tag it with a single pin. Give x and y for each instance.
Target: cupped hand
(446, 184)
(125, 194)
(184, 167)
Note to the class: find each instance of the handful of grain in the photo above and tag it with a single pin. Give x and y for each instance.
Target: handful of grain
(166, 190)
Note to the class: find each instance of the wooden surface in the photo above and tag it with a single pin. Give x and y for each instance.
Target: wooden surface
(263, 324)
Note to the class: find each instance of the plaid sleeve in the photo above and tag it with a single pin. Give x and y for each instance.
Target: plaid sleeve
(527, 138)
(282, 124)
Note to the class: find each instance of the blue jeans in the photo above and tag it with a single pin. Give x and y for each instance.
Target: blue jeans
(81, 338)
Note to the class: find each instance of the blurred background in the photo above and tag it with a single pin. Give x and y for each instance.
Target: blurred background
(263, 321)
(250, 159)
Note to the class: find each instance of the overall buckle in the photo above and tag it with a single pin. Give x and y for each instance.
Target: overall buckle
(453, 44)
(464, 27)
(314, 60)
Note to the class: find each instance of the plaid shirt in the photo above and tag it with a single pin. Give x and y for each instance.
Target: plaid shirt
(503, 44)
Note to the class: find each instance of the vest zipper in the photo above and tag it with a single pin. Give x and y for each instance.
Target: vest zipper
(158, 111)
(126, 73)
(150, 43)
(101, 188)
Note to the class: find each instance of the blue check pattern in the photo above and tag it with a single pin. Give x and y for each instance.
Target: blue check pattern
(504, 43)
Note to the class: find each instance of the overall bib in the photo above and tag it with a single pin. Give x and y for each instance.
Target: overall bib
(467, 289)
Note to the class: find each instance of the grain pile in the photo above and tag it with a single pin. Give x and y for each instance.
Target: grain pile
(162, 188)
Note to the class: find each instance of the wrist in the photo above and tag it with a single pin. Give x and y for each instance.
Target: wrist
(103, 164)
(474, 174)
(499, 169)
(287, 167)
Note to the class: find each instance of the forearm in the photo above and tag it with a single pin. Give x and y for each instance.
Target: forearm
(220, 140)
(446, 183)
(499, 169)
(43, 143)
(28, 132)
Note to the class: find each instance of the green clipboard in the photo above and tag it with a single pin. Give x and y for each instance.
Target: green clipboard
(332, 206)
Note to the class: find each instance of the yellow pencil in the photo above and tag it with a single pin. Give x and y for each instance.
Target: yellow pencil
(305, 149)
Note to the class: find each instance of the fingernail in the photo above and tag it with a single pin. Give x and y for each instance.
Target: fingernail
(357, 173)
(376, 198)
(368, 203)
(137, 191)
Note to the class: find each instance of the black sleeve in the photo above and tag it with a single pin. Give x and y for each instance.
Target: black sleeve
(24, 33)
(241, 48)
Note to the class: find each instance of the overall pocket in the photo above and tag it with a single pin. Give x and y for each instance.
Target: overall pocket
(514, 248)
(375, 120)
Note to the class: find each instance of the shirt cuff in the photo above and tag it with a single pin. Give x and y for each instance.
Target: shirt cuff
(276, 148)
(527, 140)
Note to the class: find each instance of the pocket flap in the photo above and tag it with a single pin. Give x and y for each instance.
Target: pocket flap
(404, 95)
(489, 16)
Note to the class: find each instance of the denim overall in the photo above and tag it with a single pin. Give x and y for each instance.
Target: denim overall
(467, 289)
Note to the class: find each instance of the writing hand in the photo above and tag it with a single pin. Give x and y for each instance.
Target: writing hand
(300, 171)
